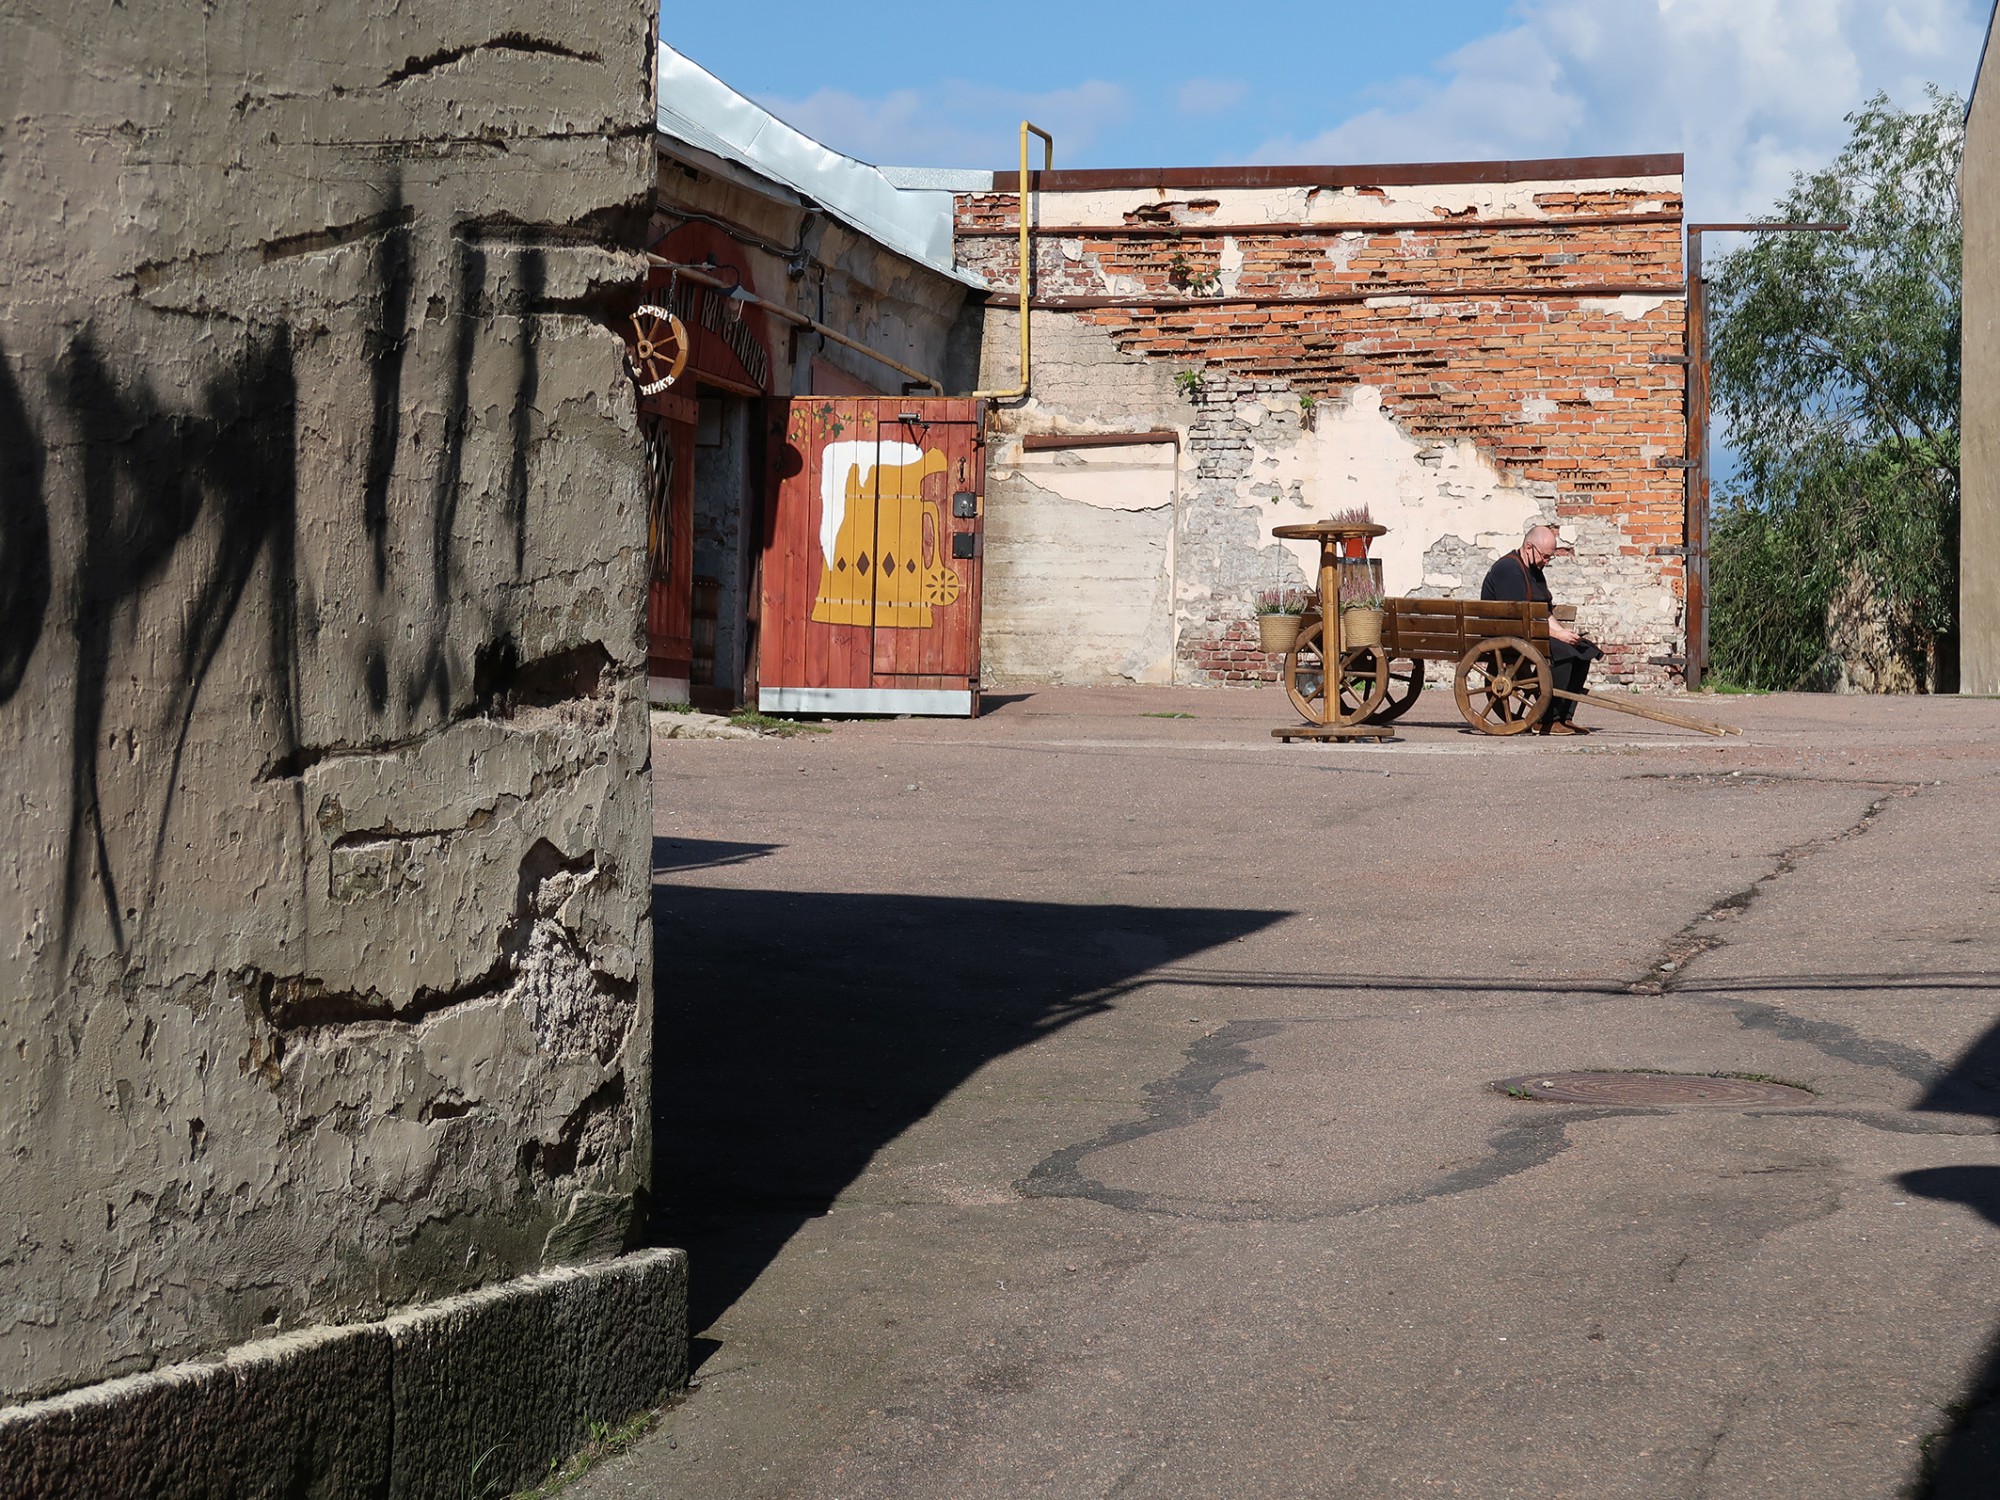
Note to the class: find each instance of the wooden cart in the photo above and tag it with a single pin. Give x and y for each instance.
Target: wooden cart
(1499, 651)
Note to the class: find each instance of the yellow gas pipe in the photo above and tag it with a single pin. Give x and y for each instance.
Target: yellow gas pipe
(1027, 265)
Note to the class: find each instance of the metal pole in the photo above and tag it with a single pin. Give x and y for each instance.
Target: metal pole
(1695, 663)
(1694, 558)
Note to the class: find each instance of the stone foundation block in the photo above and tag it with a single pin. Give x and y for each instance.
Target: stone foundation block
(477, 1394)
(493, 1387)
(302, 1414)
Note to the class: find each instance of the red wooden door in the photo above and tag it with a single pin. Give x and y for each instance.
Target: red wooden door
(670, 549)
(871, 568)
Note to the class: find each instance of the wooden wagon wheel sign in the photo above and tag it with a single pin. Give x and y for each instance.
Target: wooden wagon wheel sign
(658, 349)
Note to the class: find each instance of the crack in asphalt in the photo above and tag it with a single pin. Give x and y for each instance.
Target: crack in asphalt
(1190, 1093)
(1699, 936)
(1831, 1038)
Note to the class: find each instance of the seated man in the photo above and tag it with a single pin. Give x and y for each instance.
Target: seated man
(1518, 575)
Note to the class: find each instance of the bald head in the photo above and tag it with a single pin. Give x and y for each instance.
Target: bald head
(1539, 545)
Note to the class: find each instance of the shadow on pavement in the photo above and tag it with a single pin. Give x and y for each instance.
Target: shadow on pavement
(704, 854)
(1964, 1462)
(797, 1033)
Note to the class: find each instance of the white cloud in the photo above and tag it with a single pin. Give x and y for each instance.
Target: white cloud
(1210, 96)
(953, 124)
(1751, 90)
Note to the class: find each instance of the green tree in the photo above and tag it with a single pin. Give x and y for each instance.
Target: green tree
(1835, 370)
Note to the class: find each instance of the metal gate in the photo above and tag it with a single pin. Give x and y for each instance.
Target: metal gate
(872, 556)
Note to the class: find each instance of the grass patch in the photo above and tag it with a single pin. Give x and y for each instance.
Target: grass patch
(606, 1441)
(784, 729)
(1165, 716)
(673, 708)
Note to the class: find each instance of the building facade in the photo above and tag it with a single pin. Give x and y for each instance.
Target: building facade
(856, 295)
(1464, 348)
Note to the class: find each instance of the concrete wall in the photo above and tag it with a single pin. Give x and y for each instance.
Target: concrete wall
(1979, 473)
(325, 829)
(1465, 358)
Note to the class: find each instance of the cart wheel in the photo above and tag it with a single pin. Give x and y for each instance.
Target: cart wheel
(1406, 683)
(1363, 675)
(1504, 685)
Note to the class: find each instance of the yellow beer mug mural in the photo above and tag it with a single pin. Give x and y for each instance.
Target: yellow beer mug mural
(875, 531)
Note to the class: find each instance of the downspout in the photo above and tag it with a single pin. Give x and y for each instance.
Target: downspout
(1026, 266)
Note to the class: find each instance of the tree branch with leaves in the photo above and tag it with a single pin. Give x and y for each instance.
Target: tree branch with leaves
(1835, 373)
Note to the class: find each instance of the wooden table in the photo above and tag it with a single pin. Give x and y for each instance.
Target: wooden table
(1331, 535)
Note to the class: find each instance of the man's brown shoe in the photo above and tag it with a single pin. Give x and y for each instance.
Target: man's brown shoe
(1561, 726)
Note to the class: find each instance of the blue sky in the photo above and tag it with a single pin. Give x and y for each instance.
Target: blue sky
(1750, 90)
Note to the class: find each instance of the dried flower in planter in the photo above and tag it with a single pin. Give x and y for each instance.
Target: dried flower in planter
(1360, 587)
(1282, 602)
(1354, 515)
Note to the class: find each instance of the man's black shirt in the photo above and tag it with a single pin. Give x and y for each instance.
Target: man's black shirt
(1513, 577)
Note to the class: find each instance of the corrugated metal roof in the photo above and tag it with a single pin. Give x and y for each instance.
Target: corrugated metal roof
(702, 111)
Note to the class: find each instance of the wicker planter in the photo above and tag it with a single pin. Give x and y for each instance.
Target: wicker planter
(1360, 627)
(1275, 633)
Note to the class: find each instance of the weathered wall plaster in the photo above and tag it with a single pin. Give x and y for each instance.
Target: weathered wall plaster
(327, 962)
(1080, 567)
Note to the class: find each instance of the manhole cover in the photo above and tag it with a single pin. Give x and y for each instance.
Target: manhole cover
(1678, 1089)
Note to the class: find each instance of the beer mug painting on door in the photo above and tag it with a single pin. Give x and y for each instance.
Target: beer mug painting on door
(882, 544)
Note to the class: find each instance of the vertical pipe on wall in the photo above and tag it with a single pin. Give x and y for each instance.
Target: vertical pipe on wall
(1027, 265)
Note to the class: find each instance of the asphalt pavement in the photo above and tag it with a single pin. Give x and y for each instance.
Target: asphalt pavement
(1096, 1099)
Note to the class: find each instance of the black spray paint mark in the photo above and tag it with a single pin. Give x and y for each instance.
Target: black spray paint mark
(149, 476)
(433, 678)
(386, 345)
(25, 578)
(533, 268)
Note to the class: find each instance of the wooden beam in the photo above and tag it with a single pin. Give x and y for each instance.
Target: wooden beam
(1680, 721)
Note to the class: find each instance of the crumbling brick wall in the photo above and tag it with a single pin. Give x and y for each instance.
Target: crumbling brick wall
(326, 832)
(1517, 332)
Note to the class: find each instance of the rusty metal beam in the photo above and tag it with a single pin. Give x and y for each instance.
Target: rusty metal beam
(1391, 174)
(1045, 442)
(1196, 230)
(1327, 299)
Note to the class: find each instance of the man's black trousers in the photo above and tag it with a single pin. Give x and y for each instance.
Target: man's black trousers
(1568, 668)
